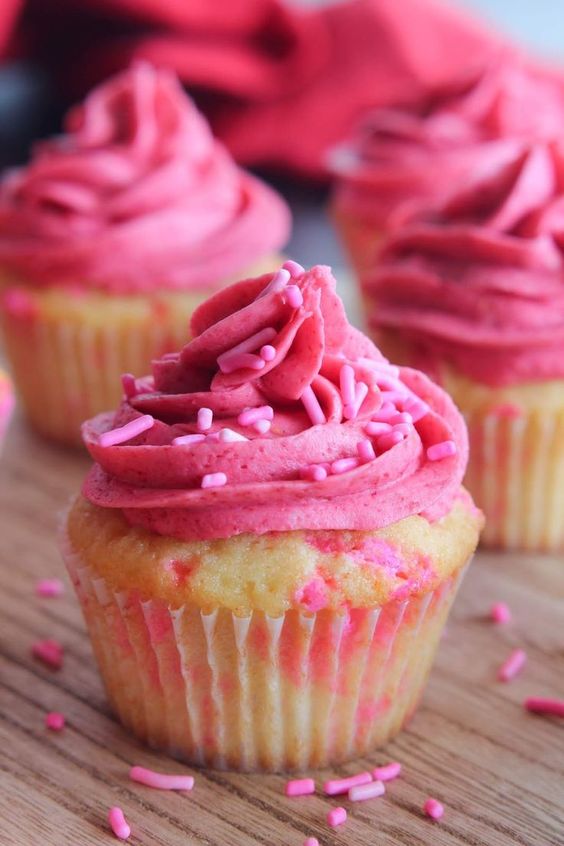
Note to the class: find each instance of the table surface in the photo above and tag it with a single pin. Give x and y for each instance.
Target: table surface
(498, 770)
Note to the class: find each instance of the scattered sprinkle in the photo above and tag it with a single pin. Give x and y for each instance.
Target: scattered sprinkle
(433, 809)
(444, 449)
(241, 361)
(343, 785)
(312, 407)
(386, 411)
(513, 666)
(500, 613)
(294, 296)
(300, 787)
(416, 408)
(50, 652)
(367, 791)
(49, 588)
(204, 419)
(277, 283)
(313, 472)
(55, 721)
(387, 772)
(188, 440)
(347, 384)
(125, 433)
(336, 816)
(213, 480)
(118, 823)
(229, 436)
(389, 440)
(268, 352)
(376, 428)
(350, 412)
(252, 415)
(401, 417)
(552, 707)
(343, 465)
(365, 451)
(128, 385)
(262, 426)
(293, 268)
(161, 781)
(404, 429)
(249, 345)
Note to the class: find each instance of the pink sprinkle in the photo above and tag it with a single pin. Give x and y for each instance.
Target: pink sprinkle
(312, 407)
(404, 429)
(249, 345)
(365, 451)
(49, 588)
(343, 785)
(416, 408)
(293, 268)
(376, 428)
(384, 414)
(118, 823)
(500, 613)
(313, 472)
(393, 396)
(300, 787)
(311, 841)
(513, 666)
(336, 816)
(213, 480)
(367, 791)
(350, 412)
(125, 433)
(187, 440)
(444, 449)
(277, 283)
(161, 781)
(433, 809)
(262, 426)
(386, 442)
(294, 296)
(128, 385)
(50, 652)
(343, 465)
(402, 417)
(347, 384)
(55, 721)
(205, 419)
(251, 415)
(268, 352)
(387, 772)
(229, 436)
(241, 361)
(553, 707)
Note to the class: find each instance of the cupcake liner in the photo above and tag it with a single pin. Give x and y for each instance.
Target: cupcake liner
(261, 693)
(516, 476)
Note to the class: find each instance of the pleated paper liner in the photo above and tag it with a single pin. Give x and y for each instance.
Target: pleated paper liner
(259, 693)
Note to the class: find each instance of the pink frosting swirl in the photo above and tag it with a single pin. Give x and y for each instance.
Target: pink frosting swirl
(479, 282)
(400, 155)
(357, 466)
(136, 195)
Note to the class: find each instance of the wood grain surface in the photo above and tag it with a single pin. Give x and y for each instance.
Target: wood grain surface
(498, 770)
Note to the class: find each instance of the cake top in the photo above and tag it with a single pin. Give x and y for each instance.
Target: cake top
(278, 415)
(479, 279)
(136, 195)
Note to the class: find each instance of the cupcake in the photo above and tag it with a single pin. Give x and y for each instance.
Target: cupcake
(112, 235)
(473, 293)
(400, 156)
(6, 404)
(272, 534)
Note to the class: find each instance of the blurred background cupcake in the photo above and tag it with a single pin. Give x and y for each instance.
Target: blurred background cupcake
(473, 293)
(399, 157)
(272, 535)
(110, 237)
(6, 404)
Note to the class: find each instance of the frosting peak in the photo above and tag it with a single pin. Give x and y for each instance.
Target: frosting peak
(278, 415)
(136, 194)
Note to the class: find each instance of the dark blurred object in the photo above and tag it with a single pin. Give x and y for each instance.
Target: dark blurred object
(280, 84)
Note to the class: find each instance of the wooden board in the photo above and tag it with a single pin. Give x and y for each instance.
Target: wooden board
(498, 770)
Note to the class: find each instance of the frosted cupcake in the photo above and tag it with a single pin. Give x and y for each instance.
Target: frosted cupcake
(112, 235)
(6, 404)
(474, 295)
(401, 156)
(271, 537)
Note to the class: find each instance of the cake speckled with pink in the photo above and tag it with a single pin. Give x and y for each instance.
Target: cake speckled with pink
(272, 534)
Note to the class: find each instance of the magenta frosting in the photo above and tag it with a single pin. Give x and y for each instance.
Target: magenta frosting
(156, 484)
(479, 281)
(136, 195)
(401, 155)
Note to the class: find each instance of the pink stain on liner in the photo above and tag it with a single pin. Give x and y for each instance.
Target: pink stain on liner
(444, 449)
(387, 772)
(362, 792)
(50, 652)
(300, 787)
(500, 613)
(294, 269)
(294, 296)
(213, 480)
(252, 415)
(118, 823)
(250, 345)
(128, 385)
(312, 407)
(342, 785)
(55, 721)
(541, 705)
(49, 588)
(161, 781)
(188, 440)
(127, 432)
(512, 666)
(336, 817)
(433, 809)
